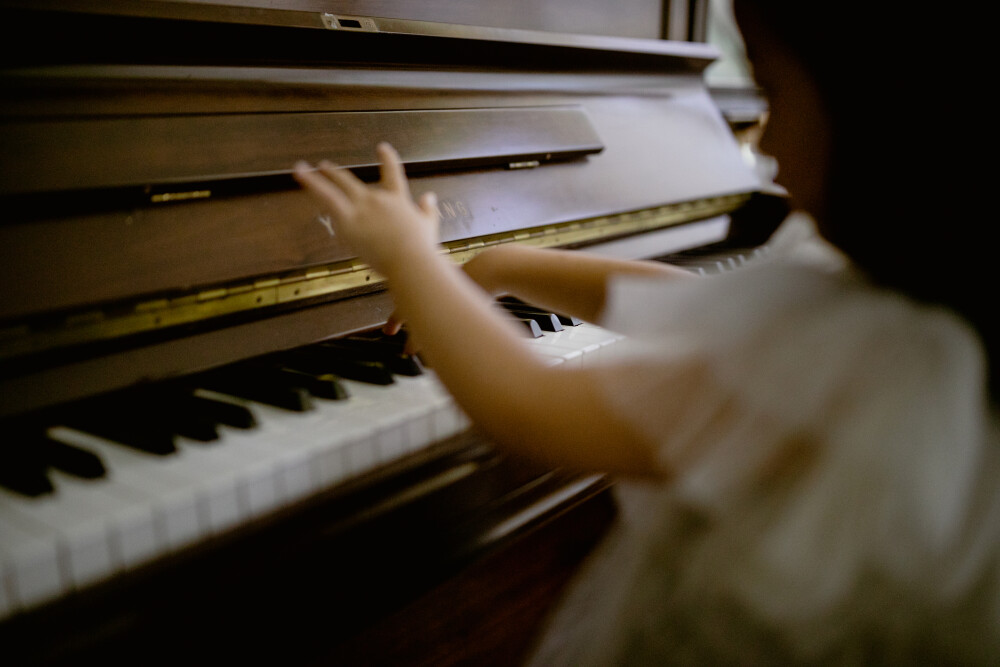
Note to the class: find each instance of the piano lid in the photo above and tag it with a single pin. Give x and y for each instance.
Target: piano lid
(136, 160)
(354, 30)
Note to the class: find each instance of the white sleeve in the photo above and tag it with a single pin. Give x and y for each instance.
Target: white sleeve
(834, 446)
(720, 373)
(734, 376)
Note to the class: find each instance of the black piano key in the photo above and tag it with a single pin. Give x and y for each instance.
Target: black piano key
(222, 411)
(177, 410)
(153, 415)
(322, 359)
(174, 411)
(25, 480)
(546, 321)
(126, 418)
(405, 360)
(530, 325)
(73, 460)
(388, 351)
(262, 382)
(22, 467)
(194, 427)
(127, 430)
(321, 385)
(516, 305)
(360, 370)
(569, 321)
(408, 365)
(282, 371)
(379, 343)
(396, 342)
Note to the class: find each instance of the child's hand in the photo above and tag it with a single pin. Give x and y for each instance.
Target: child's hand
(381, 222)
(481, 269)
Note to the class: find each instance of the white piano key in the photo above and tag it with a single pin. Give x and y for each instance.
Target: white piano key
(213, 493)
(8, 590)
(7, 601)
(585, 336)
(29, 563)
(84, 539)
(196, 491)
(154, 478)
(582, 343)
(410, 414)
(558, 354)
(377, 425)
(301, 451)
(137, 535)
(130, 520)
(132, 537)
(233, 476)
(228, 479)
(331, 466)
(243, 467)
(318, 434)
(292, 443)
(258, 488)
(292, 457)
(298, 477)
(360, 456)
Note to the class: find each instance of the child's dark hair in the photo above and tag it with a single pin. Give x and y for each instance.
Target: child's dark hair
(907, 98)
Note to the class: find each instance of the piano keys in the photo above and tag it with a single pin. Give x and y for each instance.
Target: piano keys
(166, 488)
(160, 492)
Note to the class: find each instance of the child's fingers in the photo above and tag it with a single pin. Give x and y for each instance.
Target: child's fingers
(428, 203)
(350, 184)
(392, 172)
(393, 325)
(321, 187)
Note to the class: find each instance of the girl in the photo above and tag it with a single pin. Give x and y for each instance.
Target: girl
(808, 448)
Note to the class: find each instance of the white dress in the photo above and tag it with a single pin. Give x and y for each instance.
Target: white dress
(837, 494)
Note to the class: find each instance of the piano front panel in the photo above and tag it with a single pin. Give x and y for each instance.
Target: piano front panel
(144, 214)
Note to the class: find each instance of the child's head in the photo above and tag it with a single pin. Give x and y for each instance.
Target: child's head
(877, 116)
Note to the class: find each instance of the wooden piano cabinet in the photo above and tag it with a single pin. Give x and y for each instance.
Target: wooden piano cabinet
(491, 612)
(389, 570)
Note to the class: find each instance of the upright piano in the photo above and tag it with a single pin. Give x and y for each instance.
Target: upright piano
(208, 449)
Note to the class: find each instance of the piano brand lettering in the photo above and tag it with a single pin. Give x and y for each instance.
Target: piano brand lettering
(454, 210)
(327, 223)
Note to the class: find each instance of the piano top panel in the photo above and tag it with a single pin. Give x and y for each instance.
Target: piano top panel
(73, 31)
(628, 18)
